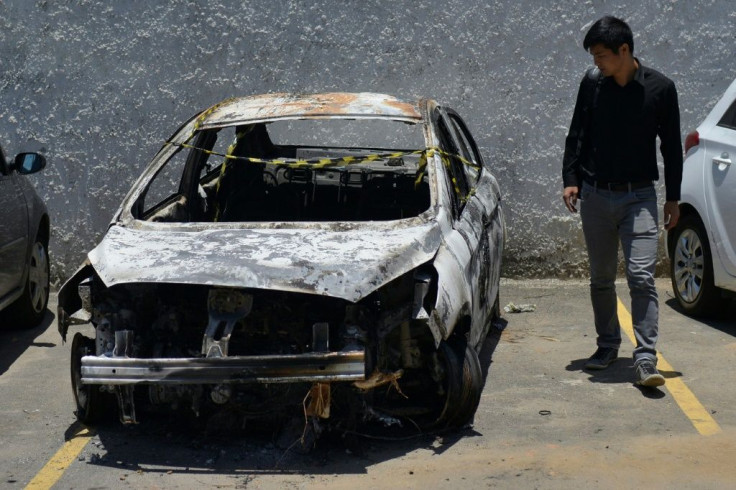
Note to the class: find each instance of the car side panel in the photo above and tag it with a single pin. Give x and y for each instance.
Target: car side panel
(454, 296)
(490, 250)
(480, 225)
(720, 191)
(13, 237)
(468, 268)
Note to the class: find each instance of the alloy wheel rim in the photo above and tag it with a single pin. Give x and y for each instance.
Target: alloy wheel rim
(689, 265)
(38, 277)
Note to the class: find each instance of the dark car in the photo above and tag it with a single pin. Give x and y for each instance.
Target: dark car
(24, 239)
(335, 255)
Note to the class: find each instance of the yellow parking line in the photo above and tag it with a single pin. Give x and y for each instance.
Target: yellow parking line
(59, 462)
(693, 409)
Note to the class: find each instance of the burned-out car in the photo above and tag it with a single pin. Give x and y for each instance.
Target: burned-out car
(334, 255)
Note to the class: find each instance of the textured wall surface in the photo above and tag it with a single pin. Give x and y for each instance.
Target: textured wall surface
(98, 86)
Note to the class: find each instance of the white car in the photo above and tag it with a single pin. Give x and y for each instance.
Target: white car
(702, 247)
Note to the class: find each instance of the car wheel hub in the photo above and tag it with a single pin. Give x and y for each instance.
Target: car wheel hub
(38, 277)
(689, 265)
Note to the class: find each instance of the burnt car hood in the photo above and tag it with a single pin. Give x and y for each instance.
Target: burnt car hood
(349, 263)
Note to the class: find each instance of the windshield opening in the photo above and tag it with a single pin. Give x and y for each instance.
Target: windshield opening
(295, 170)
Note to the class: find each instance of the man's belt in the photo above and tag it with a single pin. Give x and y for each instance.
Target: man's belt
(620, 186)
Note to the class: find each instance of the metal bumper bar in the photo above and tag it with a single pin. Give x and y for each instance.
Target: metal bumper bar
(311, 367)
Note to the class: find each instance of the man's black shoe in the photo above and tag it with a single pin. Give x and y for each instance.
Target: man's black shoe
(648, 374)
(602, 358)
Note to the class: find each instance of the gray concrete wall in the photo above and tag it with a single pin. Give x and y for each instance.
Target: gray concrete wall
(98, 86)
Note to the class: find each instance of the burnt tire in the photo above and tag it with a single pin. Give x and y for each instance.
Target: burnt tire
(30, 308)
(92, 406)
(463, 383)
(691, 269)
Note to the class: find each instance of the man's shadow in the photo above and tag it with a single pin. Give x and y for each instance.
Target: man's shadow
(621, 371)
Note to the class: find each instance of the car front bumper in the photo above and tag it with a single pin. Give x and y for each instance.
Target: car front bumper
(296, 368)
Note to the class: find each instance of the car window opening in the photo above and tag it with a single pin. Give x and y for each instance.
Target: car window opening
(239, 174)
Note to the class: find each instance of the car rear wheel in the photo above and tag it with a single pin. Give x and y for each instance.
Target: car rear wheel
(691, 269)
(30, 308)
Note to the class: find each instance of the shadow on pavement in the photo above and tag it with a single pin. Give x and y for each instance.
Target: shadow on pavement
(650, 392)
(620, 372)
(671, 374)
(489, 346)
(165, 444)
(723, 320)
(13, 343)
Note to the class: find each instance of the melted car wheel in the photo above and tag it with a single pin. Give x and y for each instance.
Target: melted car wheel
(92, 405)
(463, 383)
(443, 394)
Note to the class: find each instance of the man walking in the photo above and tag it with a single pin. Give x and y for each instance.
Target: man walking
(610, 164)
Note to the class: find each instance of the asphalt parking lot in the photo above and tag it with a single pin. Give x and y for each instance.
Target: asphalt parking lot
(543, 421)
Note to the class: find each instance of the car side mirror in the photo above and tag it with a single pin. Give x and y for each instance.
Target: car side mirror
(29, 163)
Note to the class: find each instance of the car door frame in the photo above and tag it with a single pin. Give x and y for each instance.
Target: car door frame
(471, 243)
(488, 197)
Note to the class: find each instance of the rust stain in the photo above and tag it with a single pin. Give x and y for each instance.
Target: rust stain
(337, 104)
(402, 106)
(331, 103)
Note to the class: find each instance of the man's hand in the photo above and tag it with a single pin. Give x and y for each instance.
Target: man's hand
(570, 196)
(671, 214)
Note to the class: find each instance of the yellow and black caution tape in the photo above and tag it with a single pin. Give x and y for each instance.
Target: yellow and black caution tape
(317, 163)
(321, 163)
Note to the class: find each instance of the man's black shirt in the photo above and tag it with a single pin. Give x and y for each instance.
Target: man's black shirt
(620, 143)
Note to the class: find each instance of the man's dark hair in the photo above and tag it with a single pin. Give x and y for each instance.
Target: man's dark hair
(611, 32)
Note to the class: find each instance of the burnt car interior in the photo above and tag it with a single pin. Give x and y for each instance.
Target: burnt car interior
(233, 185)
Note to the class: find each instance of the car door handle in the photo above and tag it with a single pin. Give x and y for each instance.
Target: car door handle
(723, 160)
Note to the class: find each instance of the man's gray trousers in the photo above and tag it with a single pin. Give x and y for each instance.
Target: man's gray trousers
(628, 216)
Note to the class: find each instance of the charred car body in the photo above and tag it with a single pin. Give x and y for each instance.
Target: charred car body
(336, 251)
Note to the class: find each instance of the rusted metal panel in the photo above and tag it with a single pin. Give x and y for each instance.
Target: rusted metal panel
(333, 105)
(348, 263)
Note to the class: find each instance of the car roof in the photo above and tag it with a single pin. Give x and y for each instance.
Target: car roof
(336, 105)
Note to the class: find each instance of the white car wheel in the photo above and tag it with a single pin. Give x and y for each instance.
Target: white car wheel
(689, 264)
(691, 269)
